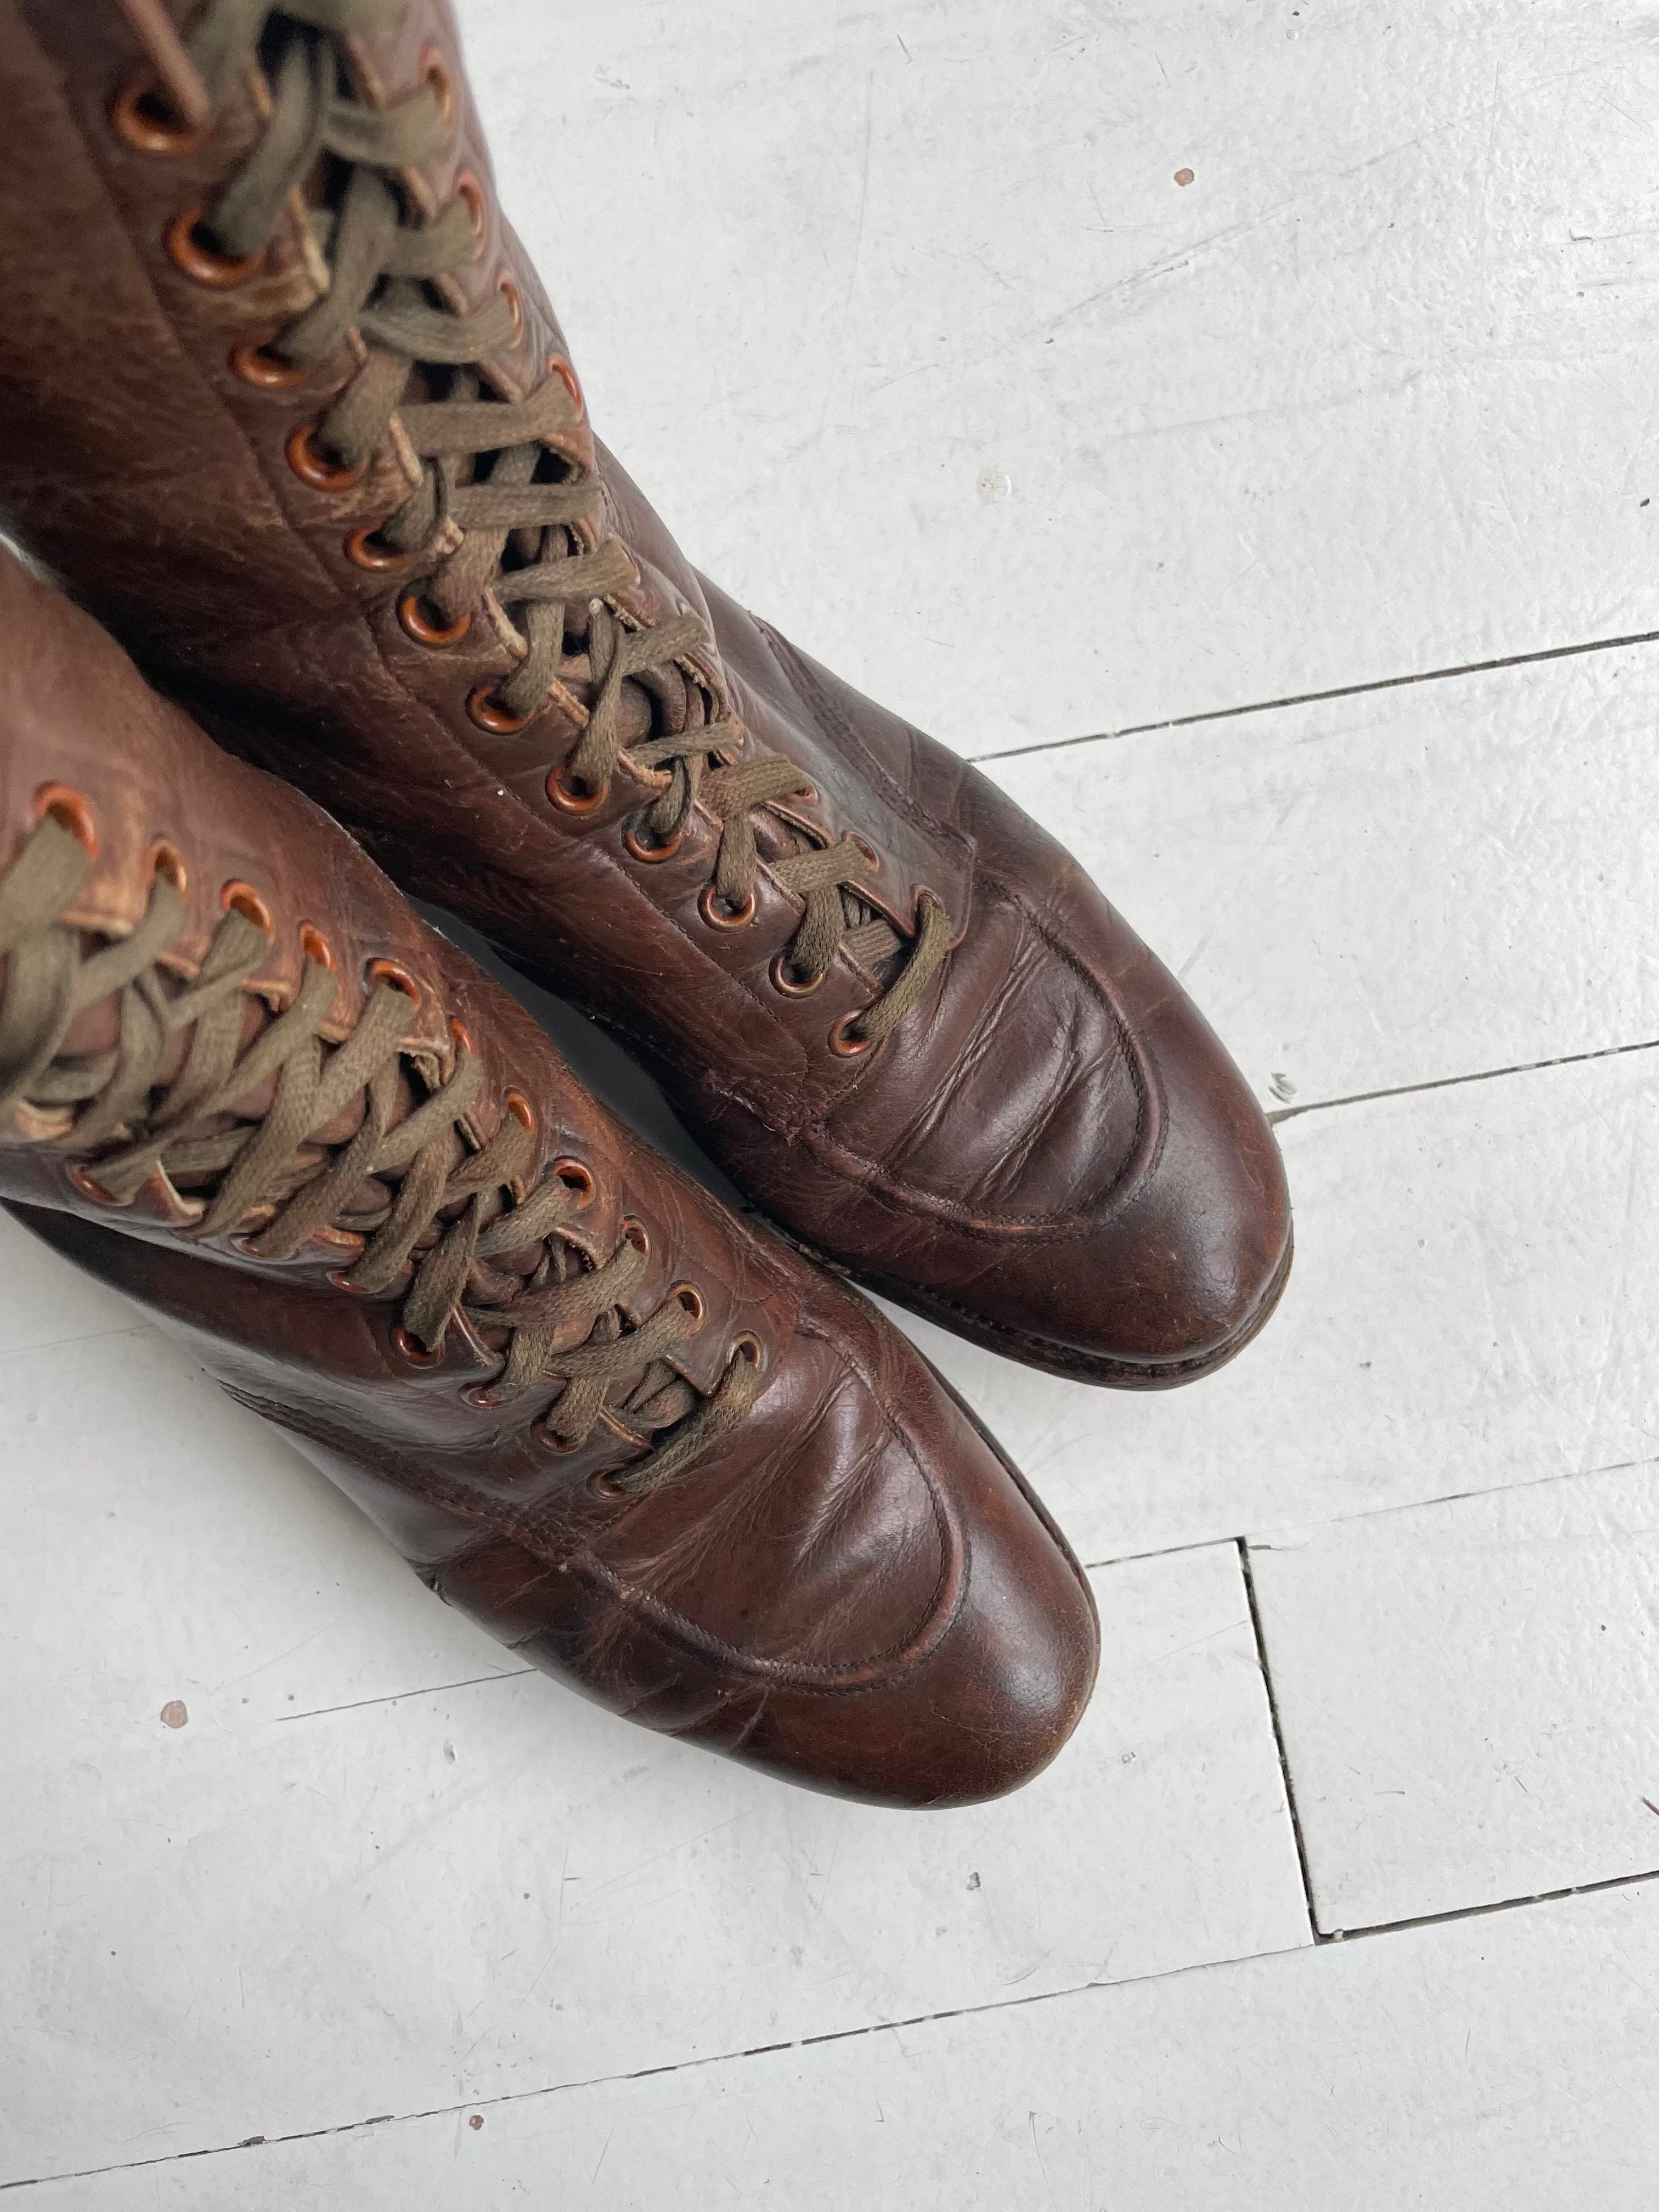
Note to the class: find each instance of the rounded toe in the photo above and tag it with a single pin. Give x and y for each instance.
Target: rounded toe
(1182, 1277)
(1006, 1674)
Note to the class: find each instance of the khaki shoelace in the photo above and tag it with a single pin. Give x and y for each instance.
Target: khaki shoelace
(484, 472)
(444, 1222)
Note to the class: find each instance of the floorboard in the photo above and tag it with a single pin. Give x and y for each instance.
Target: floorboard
(1500, 2062)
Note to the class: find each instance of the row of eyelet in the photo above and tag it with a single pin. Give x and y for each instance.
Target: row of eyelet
(719, 917)
(67, 807)
(255, 363)
(71, 812)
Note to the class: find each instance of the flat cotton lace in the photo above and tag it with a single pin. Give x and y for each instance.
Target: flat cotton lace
(441, 1221)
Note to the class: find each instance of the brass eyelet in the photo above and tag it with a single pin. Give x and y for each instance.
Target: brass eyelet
(188, 251)
(167, 862)
(468, 188)
(689, 1295)
(860, 845)
(238, 897)
(394, 975)
(313, 945)
(340, 1278)
(576, 1178)
(849, 1047)
(637, 1234)
(751, 1350)
(718, 917)
(418, 624)
(317, 468)
(487, 711)
(574, 802)
(603, 1483)
(87, 1183)
(559, 367)
(367, 549)
(544, 1436)
(520, 1108)
(793, 986)
(69, 811)
(434, 72)
(651, 854)
(256, 364)
(510, 292)
(462, 1036)
(413, 1354)
(139, 113)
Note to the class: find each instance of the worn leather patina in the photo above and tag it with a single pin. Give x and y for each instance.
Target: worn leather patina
(641, 1440)
(287, 406)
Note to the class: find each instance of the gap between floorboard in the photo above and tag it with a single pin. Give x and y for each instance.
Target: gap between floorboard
(1321, 1942)
(1335, 691)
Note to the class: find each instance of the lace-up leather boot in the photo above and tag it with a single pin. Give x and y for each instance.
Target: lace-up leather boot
(285, 403)
(651, 1450)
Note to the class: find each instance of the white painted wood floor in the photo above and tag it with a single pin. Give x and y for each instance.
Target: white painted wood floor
(1281, 539)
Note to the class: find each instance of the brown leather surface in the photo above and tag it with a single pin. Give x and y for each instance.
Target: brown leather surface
(852, 1588)
(1052, 1153)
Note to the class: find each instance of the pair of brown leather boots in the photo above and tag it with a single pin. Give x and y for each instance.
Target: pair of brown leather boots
(283, 404)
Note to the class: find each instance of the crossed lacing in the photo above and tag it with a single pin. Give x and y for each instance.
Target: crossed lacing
(521, 537)
(273, 1185)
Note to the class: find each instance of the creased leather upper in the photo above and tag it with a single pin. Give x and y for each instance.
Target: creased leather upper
(1052, 1152)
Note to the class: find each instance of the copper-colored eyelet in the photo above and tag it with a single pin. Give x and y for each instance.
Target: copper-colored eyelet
(139, 113)
(488, 711)
(238, 897)
(463, 1036)
(520, 1108)
(167, 862)
(313, 945)
(188, 249)
(256, 364)
(842, 1041)
(422, 621)
(88, 1186)
(574, 802)
(720, 917)
(468, 188)
(341, 1280)
(751, 1349)
(576, 1178)
(317, 468)
(869, 851)
(637, 1234)
(559, 367)
(689, 1295)
(793, 986)
(69, 811)
(808, 794)
(394, 975)
(604, 1483)
(367, 549)
(433, 72)
(413, 1352)
(510, 292)
(648, 854)
(544, 1436)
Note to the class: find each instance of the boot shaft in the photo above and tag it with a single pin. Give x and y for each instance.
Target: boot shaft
(346, 413)
(284, 398)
